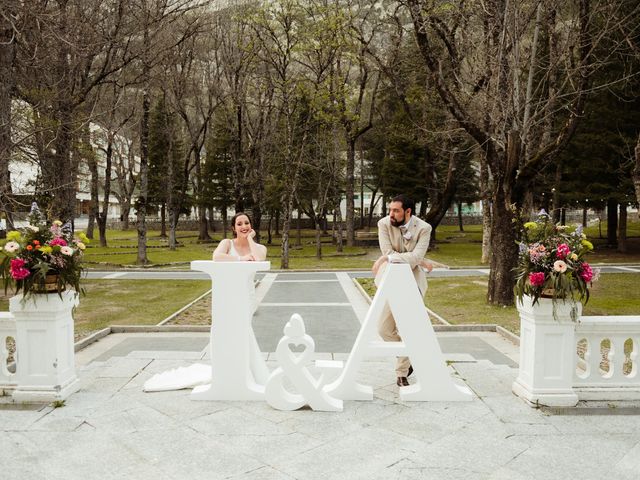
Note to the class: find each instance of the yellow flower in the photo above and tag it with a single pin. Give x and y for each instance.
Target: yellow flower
(573, 257)
(46, 250)
(81, 245)
(57, 222)
(588, 244)
(531, 225)
(83, 237)
(14, 235)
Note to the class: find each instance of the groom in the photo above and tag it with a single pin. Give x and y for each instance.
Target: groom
(403, 238)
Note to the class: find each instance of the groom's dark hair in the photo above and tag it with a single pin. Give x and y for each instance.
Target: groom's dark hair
(406, 202)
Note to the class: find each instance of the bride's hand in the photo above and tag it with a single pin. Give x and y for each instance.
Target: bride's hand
(248, 258)
(252, 234)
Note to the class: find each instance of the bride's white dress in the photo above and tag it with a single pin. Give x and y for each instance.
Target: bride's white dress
(198, 373)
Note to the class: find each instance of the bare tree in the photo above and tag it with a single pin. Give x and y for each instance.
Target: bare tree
(7, 56)
(154, 17)
(519, 102)
(636, 172)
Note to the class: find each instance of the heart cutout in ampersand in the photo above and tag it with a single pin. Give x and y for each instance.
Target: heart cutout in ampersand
(300, 350)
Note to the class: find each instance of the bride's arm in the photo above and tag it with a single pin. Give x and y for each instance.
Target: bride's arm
(221, 253)
(258, 251)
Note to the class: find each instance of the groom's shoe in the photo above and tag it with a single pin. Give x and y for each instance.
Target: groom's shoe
(410, 371)
(402, 382)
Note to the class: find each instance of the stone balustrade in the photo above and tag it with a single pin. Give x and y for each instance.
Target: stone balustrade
(606, 363)
(563, 361)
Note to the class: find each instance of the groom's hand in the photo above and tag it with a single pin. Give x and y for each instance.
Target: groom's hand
(381, 261)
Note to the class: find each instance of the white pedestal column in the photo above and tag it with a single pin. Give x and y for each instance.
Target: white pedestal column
(237, 368)
(45, 368)
(547, 351)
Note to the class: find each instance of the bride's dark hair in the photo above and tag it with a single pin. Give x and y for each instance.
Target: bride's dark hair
(233, 222)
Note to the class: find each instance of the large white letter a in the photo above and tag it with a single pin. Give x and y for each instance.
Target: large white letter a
(398, 289)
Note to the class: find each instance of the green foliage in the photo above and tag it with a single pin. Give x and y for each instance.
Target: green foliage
(165, 156)
(218, 168)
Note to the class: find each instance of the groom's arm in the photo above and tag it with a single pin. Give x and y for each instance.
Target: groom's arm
(418, 253)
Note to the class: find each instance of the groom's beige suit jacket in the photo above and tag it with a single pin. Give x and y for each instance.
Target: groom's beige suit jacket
(402, 250)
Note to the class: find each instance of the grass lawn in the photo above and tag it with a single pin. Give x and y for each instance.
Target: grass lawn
(129, 302)
(458, 300)
(462, 300)
(452, 247)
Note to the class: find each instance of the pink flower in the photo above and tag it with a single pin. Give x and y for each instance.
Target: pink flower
(20, 273)
(58, 241)
(559, 266)
(563, 250)
(536, 279)
(17, 263)
(586, 272)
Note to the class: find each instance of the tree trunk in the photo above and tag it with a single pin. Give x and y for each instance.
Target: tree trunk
(124, 213)
(174, 214)
(584, 217)
(460, 224)
(612, 222)
(299, 229)
(223, 214)
(372, 206)
(286, 226)
(337, 219)
(203, 224)
(622, 229)
(269, 239)
(7, 46)
(556, 209)
(318, 219)
(212, 225)
(94, 205)
(257, 220)
(636, 174)
(163, 220)
(64, 198)
(102, 216)
(504, 253)
(486, 210)
(350, 187)
(144, 155)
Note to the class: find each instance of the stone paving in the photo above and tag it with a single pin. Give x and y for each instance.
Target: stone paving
(111, 429)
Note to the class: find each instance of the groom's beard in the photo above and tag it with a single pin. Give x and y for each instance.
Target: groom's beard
(396, 223)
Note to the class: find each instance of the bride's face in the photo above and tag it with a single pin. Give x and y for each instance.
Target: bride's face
(242, 227)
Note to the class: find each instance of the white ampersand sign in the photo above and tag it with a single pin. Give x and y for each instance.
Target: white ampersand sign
(294, 366)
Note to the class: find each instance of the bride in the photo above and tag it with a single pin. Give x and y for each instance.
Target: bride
(243, 246)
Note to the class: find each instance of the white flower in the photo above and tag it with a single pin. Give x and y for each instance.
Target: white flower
(12, 247)
(560, 266)
(66, 251)
(81, 245)
(33, 228)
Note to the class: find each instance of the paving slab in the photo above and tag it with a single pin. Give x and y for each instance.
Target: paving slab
(111, 429)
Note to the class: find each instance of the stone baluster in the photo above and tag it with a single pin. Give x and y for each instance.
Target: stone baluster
(7, 331)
